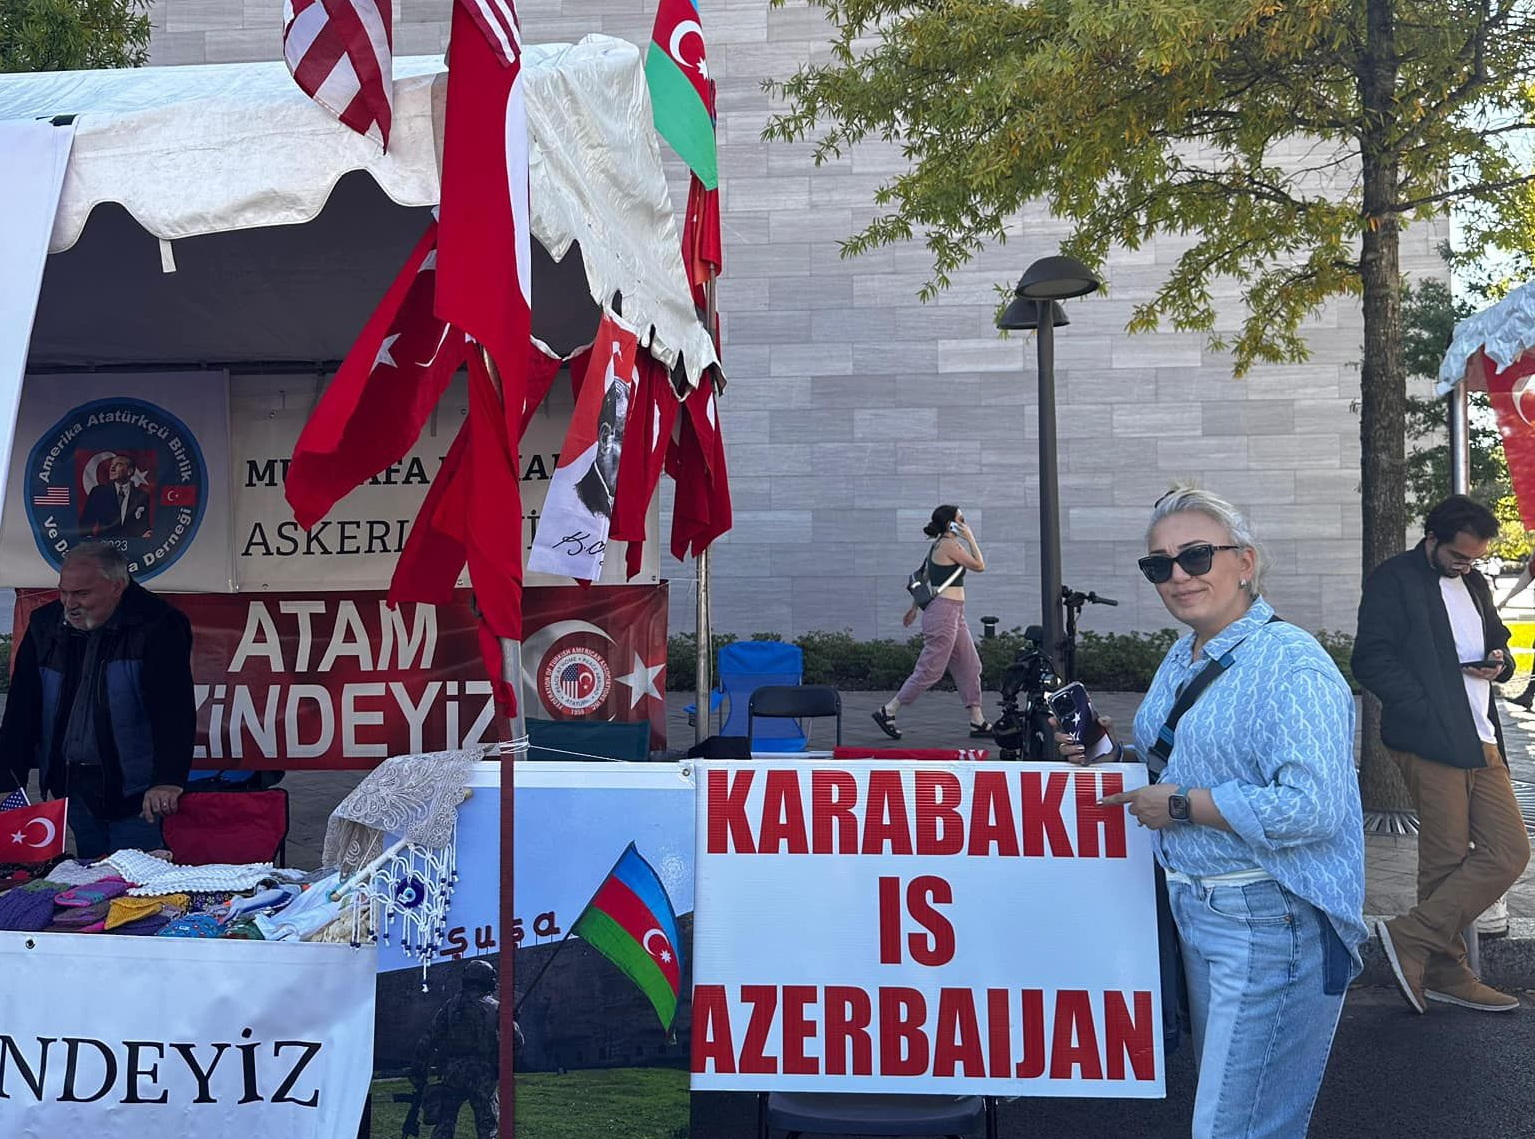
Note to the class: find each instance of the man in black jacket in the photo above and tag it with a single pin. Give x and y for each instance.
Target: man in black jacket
(101, 703)
(1426, 620)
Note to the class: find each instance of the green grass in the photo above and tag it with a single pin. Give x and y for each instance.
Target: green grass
(621, 1103)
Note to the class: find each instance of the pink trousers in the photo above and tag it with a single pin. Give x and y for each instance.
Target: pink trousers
(946, 646)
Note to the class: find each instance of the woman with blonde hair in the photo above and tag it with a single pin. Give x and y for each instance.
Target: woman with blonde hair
(1257, 820)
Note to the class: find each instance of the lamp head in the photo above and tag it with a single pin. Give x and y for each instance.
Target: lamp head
(1057, 278)
(1022, 315)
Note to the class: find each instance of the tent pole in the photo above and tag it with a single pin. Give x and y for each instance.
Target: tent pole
(703, 679)
(1460, 439)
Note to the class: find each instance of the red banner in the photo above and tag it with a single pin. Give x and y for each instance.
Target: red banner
(1510, 392)
(295, 681)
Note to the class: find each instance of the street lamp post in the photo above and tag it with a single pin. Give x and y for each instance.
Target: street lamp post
(1035, 306)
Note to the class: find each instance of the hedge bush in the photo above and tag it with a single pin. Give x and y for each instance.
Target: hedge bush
(1108, 662)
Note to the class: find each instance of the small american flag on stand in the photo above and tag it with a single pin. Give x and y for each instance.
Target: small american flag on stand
(341, 54)
(17, 798)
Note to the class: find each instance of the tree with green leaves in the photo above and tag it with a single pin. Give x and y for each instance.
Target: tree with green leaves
(1291, 139)
(72, 35)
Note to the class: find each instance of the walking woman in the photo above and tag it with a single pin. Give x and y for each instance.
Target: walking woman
(1257, 823)
(946, 641)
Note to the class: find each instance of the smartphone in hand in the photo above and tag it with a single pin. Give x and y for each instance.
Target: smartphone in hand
(1073, 711)
(1492, 663)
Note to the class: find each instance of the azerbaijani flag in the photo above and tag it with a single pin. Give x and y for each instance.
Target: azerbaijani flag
(677, 73)
(631, 923)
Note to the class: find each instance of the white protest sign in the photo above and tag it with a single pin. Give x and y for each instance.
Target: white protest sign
(124, 1037)
(884, 926)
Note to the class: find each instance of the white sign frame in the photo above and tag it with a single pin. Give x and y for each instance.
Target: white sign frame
(1052, 941)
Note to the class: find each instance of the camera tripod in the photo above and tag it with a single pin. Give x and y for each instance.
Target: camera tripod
(1023, 731)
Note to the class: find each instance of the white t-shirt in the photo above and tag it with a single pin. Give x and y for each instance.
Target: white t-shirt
(1470, 644)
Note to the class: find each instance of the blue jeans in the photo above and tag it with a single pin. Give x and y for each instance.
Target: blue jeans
(96, 837)
(1259, 963)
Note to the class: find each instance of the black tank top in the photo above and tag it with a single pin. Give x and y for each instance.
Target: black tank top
(938, 573)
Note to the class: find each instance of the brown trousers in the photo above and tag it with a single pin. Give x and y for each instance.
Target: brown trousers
(1472, 847)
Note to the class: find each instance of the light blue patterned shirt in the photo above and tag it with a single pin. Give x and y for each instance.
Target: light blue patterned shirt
(1273, 740)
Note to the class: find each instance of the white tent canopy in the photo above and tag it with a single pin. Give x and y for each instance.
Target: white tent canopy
(284, 228)
(1501, 332)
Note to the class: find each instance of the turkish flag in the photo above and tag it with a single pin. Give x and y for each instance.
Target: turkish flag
(178, 495)
(649, 431)
(33, 834)
(375, 407)
(473, 514)
(484, 260)
(493, 504)
(1510, 393)
(702, 249)
(701, 509)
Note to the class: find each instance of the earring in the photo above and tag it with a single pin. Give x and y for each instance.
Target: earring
(1243, 583)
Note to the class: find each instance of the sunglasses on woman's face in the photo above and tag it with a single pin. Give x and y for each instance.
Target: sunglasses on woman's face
(1195, 560)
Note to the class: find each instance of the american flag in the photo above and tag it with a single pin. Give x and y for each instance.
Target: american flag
(497, 19)
(53, 496)
(341, 55)
(15, 800)
(577, 680)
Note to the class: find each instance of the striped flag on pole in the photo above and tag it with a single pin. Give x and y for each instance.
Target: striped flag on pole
(341, 55)
(15, 800)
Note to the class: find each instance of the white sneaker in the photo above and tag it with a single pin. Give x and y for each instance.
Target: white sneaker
(1494, 922)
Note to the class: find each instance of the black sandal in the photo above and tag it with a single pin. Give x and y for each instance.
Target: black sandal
(886, 723)
(982, 731)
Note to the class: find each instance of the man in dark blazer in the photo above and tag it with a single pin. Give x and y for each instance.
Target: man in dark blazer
(1430, 645)
(116, 508)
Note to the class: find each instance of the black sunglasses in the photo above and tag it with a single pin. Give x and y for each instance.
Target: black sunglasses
(1196, 562)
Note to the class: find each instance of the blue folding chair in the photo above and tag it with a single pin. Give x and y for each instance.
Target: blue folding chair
(742, 668)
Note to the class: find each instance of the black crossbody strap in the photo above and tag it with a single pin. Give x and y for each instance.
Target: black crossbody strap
(927, 570)
(1192, 691)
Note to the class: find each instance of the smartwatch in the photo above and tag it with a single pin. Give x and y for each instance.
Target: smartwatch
(1178, 806)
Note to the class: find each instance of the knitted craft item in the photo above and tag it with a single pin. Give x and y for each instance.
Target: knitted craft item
(125, 910)
(28, 908)
(81, 919)
(156, 877)
(72, 873)
(414, 797)
(144, 927)
(93, 892)
(192, 925)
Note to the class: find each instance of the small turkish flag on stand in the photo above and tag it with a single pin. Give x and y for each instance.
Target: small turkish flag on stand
(33, 834)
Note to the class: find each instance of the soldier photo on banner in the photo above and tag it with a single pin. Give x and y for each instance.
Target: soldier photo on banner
(457, 1059)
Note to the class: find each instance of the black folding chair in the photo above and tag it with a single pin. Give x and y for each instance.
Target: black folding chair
(796, 702)
(838, 1113)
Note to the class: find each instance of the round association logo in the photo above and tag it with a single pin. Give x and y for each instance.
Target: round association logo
(122, 471)
(575, 680)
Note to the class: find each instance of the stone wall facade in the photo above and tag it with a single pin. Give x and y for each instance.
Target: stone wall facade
(853, 408)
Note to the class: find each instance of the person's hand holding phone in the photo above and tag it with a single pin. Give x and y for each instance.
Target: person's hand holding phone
(1488, 669)
(1072, 750)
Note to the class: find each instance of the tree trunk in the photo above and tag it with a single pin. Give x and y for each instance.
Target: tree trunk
(1382, 384)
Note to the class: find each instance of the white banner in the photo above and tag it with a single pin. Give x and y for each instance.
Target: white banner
(356, 545)
(125, 1037)
(944, 928)
(33, 157)
(140, 461)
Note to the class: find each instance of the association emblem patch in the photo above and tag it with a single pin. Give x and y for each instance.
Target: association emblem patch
(123, 471)
(575, 680)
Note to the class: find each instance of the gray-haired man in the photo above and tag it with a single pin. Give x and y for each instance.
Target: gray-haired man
(101, 703)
